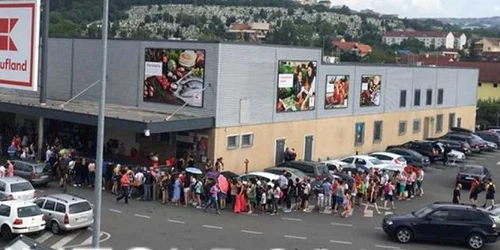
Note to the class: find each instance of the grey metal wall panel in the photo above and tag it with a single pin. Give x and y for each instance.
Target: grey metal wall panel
(301, 54)
(87, 63)
(467, 80)
(447, 80)
(356, 85)
(321, 90)
(251, 76)
(59, 77)
(396, 80)
(211, 69)
(423, 79)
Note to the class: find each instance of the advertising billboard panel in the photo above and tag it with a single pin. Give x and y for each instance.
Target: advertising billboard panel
(337, 91)
(371, 86)
(19, 42)
(296, 86)
(174, 76)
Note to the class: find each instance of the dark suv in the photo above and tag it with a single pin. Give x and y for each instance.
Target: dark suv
(443, 222)
(311, 169)
(476, 145)
(467, 173)
(461, 146)
(427, 148)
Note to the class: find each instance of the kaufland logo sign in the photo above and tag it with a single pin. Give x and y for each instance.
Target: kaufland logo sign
(19, 42)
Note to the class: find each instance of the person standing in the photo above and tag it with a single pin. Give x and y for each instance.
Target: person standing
(288, 192)
(148, 185)
(389, 194)
(214, 192)
(372, 196)
(251, 196)
(177, 190)
(474, 191)
(10, 169)
(125, 183)
(305, 194)
(457, 194)
(420, 181)
(219, 165)
(490, 193)
(446, 151)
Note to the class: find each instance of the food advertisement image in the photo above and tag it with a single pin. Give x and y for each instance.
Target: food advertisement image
(296, 86)
(370, 90)
(174, 76)
(337, 91)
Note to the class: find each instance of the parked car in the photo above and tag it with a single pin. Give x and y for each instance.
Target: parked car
(17, 188)
(461, 146)
(295, 173)
(65, 212)
(467, 173)
(427, 148)
(443, 222)
(391, 169)
(267, 177)
(315, 170)
(20, 217)
(494, 213)
(390, 158)
(453, 154)
(491, 136)
(476, 145)
(364, 161)
(411, 156)
(490, 146)
(35, 172)
(335, 165)
(461, 130)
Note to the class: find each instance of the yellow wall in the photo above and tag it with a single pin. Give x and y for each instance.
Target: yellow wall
(488, 91)
(333, 137)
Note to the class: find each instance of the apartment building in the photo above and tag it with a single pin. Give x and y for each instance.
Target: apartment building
(431, 39)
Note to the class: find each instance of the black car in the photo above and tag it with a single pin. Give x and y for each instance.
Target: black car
(461, 146)
(443, 222)
(489, 136)
(412, 157)
(467, 173)
(476, 145)
(427, 148)
(315, 170)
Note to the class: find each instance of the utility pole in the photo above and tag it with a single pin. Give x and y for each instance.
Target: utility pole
(96, 232)
(44, 78)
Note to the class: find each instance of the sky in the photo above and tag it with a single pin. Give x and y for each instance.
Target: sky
(427, 8)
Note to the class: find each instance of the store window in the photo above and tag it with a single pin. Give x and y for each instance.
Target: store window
(416, 126)
(359, 136)
(377, 131)
(416, 98)
(440, 96)
(232, 141)
(402, 99)
(439, 123)
(428, 97)
(402, 128)
(246, 140)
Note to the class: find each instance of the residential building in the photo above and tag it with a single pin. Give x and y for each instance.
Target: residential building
(253, 31)
(431, 39)
(487, 44)
(241, 101)
(343, 46)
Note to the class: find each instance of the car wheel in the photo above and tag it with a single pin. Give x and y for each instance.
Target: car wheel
(475, 241)
(404, 235)
(54, 227)
(6, 232)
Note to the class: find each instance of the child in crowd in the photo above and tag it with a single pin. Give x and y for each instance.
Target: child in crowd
(347, 206)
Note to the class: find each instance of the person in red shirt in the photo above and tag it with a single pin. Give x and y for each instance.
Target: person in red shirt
(125, 183)
(474, 190)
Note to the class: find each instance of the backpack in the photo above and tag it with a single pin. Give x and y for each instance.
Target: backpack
(387, 188)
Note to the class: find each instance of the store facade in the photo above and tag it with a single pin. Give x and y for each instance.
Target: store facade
(250, 102)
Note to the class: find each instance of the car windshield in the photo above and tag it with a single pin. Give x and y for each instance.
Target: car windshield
(28, 211)
(376, 161)
(79, 207)
(471, 170)
(423, 212)
(20, 187)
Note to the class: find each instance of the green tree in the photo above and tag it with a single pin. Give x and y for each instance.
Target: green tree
(488, 112)
(413, 45)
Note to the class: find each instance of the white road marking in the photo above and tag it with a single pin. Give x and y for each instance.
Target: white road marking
(341, 224)
(106, 237)
(45, 236)
(295, 237)
(212, 227)
(177, 221)
(291, 219)
(88, 241)
(388, 212)
(341, 242)
(368, 213)
(251, 232)
(498, 163)
(142, 216)
(66, 240)
(115, 211)
(387, 247)
(378, 228)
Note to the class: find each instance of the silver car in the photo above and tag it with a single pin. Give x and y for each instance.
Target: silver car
(36, 173)
(66, 212)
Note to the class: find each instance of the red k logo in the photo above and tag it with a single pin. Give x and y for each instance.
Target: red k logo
(6, 26)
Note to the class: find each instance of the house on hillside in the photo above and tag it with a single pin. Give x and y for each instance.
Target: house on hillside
(487, 44)
(255, 32)
(342, 46)
(431, 39)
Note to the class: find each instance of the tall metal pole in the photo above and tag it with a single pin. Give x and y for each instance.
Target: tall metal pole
(96, 233)
(44, 75)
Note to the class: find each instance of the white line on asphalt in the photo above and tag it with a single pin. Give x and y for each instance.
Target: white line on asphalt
(212, 227)
(251, 232)
(177, 221)
(45, 236)
(341, 242)
(104, 237)
(115, 211)
(295, 237)
(378, 228)
(387, 247)
(291, 219)
(142, 216)
(88, 241)
(66, 240)
(341, 224)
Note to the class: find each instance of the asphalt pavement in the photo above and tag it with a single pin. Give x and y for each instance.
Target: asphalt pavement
(156, 226)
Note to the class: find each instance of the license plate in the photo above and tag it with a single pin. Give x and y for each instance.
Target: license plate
(82, 219)
(32, 228)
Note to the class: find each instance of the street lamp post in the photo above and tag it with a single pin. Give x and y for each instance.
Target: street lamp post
(96, 233)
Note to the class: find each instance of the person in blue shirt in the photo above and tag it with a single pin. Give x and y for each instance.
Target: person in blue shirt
(327, 191)
(12, 151)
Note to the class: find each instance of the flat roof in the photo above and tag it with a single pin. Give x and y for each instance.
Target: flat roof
(117, 116)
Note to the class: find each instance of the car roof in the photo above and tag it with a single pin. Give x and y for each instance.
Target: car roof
(446, 204)
(338, 162)
(459, 135)
(17, 203)
(393, 155)
(365, 157)
(13, 179)
(263, 174)
(283, 169)
(309, 163)
(68, 198)
(30, 162)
